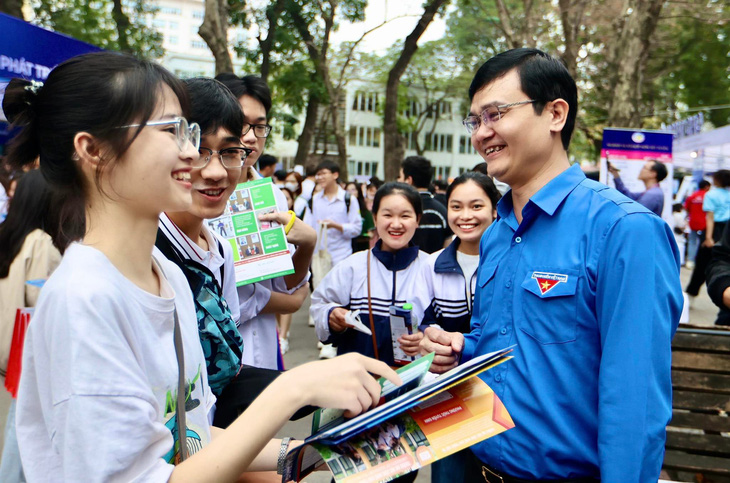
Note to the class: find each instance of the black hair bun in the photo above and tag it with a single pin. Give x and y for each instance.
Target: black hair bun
(19, 101)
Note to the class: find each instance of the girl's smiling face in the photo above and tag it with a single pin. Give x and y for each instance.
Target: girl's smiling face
(395, 221)
(470, 212)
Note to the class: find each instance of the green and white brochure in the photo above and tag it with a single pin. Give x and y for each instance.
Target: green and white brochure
(260, 249)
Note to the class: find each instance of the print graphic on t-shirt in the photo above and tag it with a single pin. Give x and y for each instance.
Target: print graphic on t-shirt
(548, 281)
(194, 444)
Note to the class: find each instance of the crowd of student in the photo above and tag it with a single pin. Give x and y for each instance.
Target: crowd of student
(144, 360)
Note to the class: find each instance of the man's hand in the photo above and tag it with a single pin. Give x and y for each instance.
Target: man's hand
(709, 242)
(446, 345)
(300, 233)
(410, 343)
(614, 172)
(337, 320)
(331, 224)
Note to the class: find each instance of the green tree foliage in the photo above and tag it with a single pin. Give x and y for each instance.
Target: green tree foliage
(93, 22)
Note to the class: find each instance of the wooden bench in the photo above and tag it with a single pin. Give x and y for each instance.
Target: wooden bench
(696, 449)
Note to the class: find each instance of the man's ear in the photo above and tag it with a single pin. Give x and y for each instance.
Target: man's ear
(409, 180)
(87, 151)
(558, 110)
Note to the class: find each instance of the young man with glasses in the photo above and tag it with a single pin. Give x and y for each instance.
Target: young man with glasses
(284, 295)
(581, 279)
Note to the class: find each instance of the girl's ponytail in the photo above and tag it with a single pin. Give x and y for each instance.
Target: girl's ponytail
(20, 105)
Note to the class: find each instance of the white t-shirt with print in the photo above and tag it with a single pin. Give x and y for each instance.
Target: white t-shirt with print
(97, 398)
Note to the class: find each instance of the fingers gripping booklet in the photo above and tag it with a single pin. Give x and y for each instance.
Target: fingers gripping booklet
(260, 250)
(425, 419)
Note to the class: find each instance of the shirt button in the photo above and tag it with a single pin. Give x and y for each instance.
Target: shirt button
(503, 330)
(508, 284)
(518, 240)
(497, 378)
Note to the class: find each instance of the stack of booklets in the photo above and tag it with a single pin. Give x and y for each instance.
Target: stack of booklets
(425, 419)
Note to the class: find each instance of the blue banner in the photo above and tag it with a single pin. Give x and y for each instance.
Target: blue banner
(30, 52)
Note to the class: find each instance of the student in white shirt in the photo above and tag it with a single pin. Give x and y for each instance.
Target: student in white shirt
(330, 207)
(99, 385)
(259, 302)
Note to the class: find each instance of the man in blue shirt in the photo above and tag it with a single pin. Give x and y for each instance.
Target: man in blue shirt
(583, 280)
(651, 174)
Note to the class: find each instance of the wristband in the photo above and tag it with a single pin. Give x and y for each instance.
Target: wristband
(288, 226)
(282, 455)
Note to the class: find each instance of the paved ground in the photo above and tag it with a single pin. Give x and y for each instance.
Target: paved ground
(303, 348)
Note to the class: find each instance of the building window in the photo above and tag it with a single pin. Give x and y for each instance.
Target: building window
(465, 146)
(172, 25)
(365, 101)
(442, 143)
(366, 168)
(158, 24)
(199, 14)
(442, 172)
(365, 136)
(173, 40)
(170, 10)
(198, 44)
(353, 135)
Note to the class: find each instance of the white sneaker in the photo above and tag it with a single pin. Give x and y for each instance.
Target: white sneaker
(310, 322)
(328, 352)
(319, 345)
(689, 264)
(284, 344)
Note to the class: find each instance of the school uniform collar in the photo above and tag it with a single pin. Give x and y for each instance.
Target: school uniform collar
(340, 196)
(188, 247)
(397, 261)
(550, 196)
(447, 262)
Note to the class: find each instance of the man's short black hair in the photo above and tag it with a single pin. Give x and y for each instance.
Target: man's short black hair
(280, 174)
(704, 184)
(248, 85)
(213, 106)
(441, 184)
(660, 170)
(543, 78)
(329, 165)
(310, 169)
(419, 169)
(266, 160)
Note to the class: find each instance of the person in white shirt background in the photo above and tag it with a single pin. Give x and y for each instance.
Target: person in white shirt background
(259, 302)
(340, 219)
(100, 352)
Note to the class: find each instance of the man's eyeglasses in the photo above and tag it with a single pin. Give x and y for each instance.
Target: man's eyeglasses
(490, 115)
(231, 158)
(259, 130)
(184, 132)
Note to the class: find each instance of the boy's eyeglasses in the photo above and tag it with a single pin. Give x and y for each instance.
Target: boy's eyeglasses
(259, 130)
(489, 116)
(184, 132)
(231, 158)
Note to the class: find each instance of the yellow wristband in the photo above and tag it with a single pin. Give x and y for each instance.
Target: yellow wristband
(288, 226)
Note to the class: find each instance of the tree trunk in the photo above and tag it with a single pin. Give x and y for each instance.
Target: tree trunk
(122, 22)
(214, 31)
(12, 7)
(305, 138)
(628, 55)
(571, 18)
(267, 44)
(393, 140)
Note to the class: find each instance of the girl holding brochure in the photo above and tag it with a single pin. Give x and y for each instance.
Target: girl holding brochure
(114, 385)
(374, 280)
(450, 276)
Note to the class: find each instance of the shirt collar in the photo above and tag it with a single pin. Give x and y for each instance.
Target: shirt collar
(395, 261)
(446, 262)
(550, 196)
(188, 247)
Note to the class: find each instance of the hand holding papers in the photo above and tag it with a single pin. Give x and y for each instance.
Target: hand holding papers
(416, 424)
(353, 319)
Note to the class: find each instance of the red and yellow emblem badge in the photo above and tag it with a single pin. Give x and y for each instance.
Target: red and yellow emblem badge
(547, 281)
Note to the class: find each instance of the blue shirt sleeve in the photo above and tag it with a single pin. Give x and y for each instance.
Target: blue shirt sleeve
(638, 304)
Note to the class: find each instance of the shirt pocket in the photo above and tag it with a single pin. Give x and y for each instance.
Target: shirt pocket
(485, 288)
(550, 305)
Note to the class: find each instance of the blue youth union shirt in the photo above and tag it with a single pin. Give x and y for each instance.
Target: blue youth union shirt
(587, 287)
